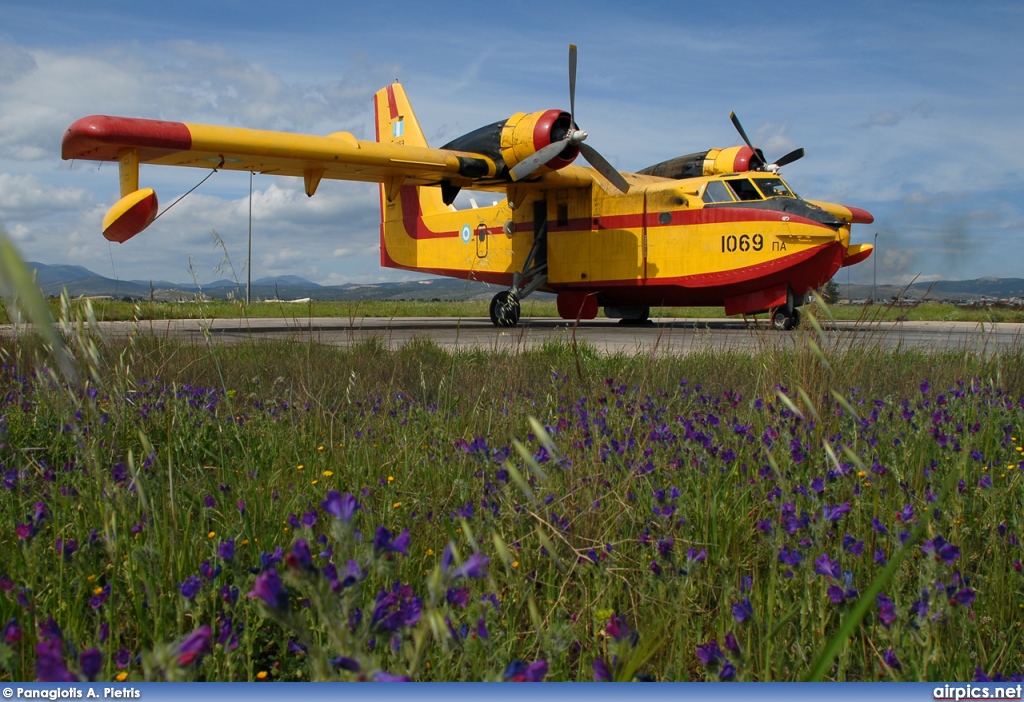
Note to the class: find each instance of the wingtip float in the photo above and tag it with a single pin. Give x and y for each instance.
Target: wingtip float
(716, 228)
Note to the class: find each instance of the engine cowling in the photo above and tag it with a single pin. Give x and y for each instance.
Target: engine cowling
(735, 159)
(524, 134)
(517, 138)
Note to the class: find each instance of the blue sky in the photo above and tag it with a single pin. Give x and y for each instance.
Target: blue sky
(910, 110)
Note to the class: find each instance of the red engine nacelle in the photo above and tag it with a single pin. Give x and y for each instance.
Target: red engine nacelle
(526, 133)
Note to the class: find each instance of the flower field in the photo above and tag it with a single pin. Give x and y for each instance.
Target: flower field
(284, 511)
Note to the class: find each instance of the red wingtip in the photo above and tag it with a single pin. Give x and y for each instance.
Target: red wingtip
(100, 138)
(861, 216)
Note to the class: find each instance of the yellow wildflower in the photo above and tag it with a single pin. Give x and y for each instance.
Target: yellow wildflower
(262, 675)
(122, 676)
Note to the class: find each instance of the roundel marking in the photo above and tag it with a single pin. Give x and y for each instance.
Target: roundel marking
(467, 234)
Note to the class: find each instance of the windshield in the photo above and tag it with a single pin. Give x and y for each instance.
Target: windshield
(774, 187)
(744, 189)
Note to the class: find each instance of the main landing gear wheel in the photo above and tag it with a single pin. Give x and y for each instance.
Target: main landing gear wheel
(505, 309)
(784, 321)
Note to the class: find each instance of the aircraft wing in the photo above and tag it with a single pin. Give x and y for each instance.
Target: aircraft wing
(339, 156)
(134, 141)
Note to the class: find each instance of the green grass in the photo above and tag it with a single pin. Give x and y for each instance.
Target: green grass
(174, 511)
(274, 426)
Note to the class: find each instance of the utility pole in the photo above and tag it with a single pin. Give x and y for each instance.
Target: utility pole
(249, 262)
(874, 282)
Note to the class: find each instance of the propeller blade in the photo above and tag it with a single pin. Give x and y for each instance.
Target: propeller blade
(602, 166)
(572, 83)
(743, 134)
(539, 158)
(794, 155)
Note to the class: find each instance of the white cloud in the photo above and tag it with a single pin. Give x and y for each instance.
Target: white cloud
(25, 198)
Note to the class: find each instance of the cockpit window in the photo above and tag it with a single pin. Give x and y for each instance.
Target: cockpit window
(774, 187)
(744, 189)
(716, 192)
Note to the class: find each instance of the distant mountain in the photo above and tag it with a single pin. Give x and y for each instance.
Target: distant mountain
(285, 280)
(81, 281)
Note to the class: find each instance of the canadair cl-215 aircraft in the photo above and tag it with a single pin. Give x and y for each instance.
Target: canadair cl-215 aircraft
(719, 227)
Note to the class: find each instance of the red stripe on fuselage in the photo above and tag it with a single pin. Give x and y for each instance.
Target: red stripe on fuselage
(803, 271)
(680, 218)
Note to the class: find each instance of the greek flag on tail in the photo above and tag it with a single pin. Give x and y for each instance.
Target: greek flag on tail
(398, 128)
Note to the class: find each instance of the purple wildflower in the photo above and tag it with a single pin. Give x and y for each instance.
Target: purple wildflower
(964, 596)
(90, 661)
(12, 632)
(385, 676)
(226, 550)
(886, 610)
(891, 660)
(710, 654)
(194, 645)
(743, 610)
(457, 597)
(790, 557)
(728, 671)
(382, 542)
(300, 556)
(941, 549)
(695, 556)
(601, 671)
(50, 666)
(834, 513)
(342, 507)
(346, 663)
(269, 589)
(519, 671)
(190, 587)
(824, 565)
(395, 609)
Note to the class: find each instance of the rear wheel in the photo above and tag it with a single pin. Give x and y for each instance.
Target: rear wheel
(505, 309)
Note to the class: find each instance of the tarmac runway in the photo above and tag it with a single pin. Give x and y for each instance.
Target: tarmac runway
(675, 336)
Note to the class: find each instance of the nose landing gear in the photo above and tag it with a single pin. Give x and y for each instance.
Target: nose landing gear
(785, 321)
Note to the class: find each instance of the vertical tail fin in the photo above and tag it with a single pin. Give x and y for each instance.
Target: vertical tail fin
(397, 124)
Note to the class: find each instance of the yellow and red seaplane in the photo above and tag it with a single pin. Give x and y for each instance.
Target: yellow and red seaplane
(718, 227)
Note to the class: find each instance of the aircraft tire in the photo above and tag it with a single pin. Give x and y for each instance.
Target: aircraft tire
(505, 309)
(782, 321)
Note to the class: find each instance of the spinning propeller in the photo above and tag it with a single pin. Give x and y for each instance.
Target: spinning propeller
(757, 161)
(573, 137)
